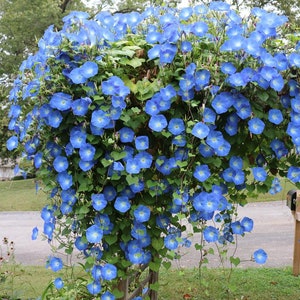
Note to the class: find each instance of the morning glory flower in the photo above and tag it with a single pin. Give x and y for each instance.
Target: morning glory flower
(247, 224)
(38, 159)
(54, 118)
(98, 201)
(211, 234)
(215, 139)
(107, 296)
(96, 272)
(237, 228)
(202, 172)
(199, 29)
(58, 283)
(141, 142)
(110, 193)
(87, 152)
(55, 263)
(122, 204)
(65, 180)
(260, 256)
(108, 272)
(171, 242)
(94, 234)
(142, 213)
(60, 164)
(294, 174)
(259, 173)
(202, 79)
(61, 101)
(100, 118)
(209, 115)
(176, 126)
(186, 46)
(222, 102)
(126, 135)
(200, 130)
(89, 69)
(34, 234)
(223, 149)
(275, 116)
(228, 68)
(80, 106)
(12, 143)
(86, 165)
(94, 287)
(158, 123)
(205, 150)
(256, 126)
(144, 159)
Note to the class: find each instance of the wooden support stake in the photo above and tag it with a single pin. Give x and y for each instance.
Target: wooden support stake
(296, 258)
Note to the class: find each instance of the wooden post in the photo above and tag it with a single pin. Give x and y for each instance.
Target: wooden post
(296, 258)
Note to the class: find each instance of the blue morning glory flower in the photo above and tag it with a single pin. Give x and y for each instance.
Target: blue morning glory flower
(96, 272)
(89, 69)
(94, 234)
(38, 159)
(55, 263)
(60, 164)
(12, 143)
(215, 139)
(107, 296)
(34, 234)
(100, 118)
(211, 234)
(86, 165)
(98, 201)
(142, 213)
(61, 101)
(205, 150)
(236, 162)
(122, 204)
(256, 126)
(247, 224)
(202, 79)
(80, 106)
(94, 287)
(55, 118)
(108, 272)
(260, 256)
(237, 228)
(209, 116)
(228, 68)
(171, 242)
(167, 53)
(176, 126)
(200, 130)
(58, 283)
(275, 116)
(65, 180)
(158, 123)
(199, 29)
(259, 173)
(186, 46)
(80, 243)
(133, 166)
(126, 135)
(222, 102)
(142, 142)
(202, 172)
(87, 152)
(294, 174)
(144, 159)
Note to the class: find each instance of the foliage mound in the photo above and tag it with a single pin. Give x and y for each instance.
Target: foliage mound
(138, 121)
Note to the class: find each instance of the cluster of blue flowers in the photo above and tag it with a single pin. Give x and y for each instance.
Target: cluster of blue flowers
(122, 157)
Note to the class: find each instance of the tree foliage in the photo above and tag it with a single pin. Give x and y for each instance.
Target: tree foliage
(22, 23)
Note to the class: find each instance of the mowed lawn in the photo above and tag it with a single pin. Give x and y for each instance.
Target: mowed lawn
(21, 195)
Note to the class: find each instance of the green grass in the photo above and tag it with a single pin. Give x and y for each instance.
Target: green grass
(20, 195)
(250, 284)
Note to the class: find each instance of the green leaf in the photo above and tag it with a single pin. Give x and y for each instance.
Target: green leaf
(154, 286)
(106, 162)
(154, 266)
(167, 265)
(131, 179)
(157, 243)
(134, 62)
(235, 261)
(117, 155)
(111, 239)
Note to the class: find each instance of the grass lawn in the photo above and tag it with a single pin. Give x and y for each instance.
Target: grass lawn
(20, 195)
(250, 284)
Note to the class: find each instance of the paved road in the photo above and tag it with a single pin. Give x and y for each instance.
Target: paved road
(273, 231)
